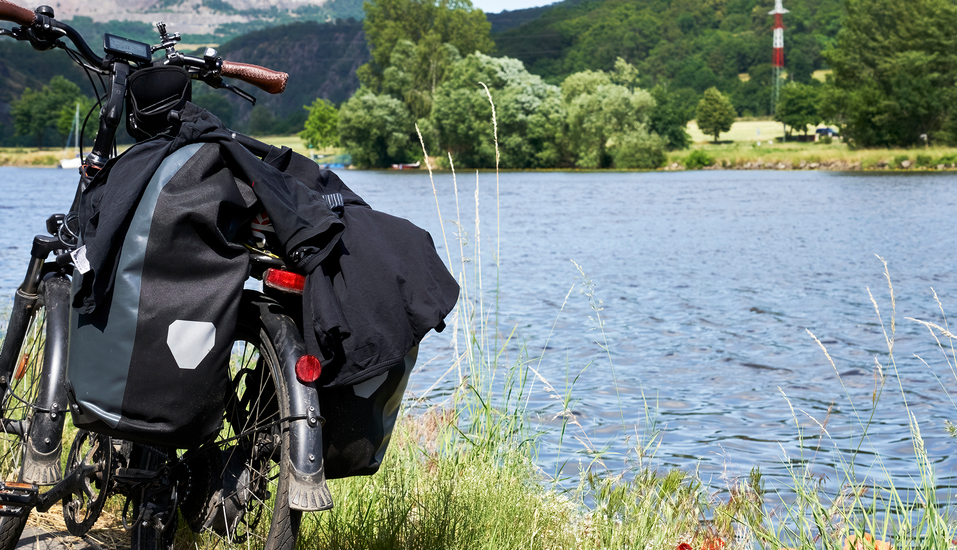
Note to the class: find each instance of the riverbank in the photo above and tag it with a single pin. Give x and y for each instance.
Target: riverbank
(24, 157)
(753, 145)
(808, 156)
(17, 156)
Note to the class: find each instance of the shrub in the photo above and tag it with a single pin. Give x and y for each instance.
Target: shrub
(639, 150)
(45, 160)
(924, 160)
(698, 159)
(948, 159)
(899, 161)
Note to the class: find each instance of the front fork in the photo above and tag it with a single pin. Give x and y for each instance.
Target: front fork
(43, 431)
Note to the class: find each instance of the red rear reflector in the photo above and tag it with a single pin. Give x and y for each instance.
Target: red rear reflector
(308, 369)
(287, 281)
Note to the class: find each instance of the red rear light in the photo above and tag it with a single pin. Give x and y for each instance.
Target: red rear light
(308, 369)
(286, 281)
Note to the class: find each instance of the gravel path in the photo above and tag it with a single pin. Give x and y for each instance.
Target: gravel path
(39, 539)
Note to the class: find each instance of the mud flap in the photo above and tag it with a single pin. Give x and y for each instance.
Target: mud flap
(307, 483)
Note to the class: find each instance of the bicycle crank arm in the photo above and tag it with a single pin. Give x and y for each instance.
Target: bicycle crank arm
(72, 483)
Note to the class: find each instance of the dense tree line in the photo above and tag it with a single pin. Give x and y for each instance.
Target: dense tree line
(895, 73)
(687, 45)
(49, 112)
(430, 68)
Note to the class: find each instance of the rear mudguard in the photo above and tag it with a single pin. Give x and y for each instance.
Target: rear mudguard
(307, 483)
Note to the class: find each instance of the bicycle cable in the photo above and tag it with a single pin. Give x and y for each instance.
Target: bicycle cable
(72, 238)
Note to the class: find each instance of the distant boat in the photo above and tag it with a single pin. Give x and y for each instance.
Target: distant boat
(413, 166)
(75, 162)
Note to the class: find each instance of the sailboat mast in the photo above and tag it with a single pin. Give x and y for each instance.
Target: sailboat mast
(76, 124)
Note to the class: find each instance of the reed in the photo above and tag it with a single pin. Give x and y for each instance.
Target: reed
(863, 514)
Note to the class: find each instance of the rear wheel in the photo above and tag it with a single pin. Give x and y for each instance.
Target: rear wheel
(239, 488)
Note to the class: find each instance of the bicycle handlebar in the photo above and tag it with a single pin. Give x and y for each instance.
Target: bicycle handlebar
(12, 12)
(268, 80)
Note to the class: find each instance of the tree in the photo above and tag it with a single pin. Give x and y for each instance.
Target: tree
(584, 82)
(38, 111)
(416, 70)
(715, 114)
(895, 64)
(262, 122)
(608, 123)
(427, 24)
(670, 115)
(68, 114)
(625, 74)
(322, 126)
(529, 113)
(375, 130)
(798, 106)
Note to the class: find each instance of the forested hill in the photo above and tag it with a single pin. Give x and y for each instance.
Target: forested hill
(321, 59)
(509, 19)
(688, 44)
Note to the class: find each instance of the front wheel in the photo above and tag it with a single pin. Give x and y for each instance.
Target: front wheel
(30, 440)
(239, 486)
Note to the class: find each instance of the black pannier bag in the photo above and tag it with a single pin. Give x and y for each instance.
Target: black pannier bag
(367, 306)
(150, 362)
(360, 419)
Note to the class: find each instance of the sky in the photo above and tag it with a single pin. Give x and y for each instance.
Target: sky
(496, 6)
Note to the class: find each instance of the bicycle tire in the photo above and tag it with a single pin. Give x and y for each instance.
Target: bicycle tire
(252, 429)
(17, 405)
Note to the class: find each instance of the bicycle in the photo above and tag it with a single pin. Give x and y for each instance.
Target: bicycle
(253, 483)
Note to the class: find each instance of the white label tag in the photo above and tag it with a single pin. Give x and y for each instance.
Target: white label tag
(79, 260)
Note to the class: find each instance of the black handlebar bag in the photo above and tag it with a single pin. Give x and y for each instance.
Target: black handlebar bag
(150, 363)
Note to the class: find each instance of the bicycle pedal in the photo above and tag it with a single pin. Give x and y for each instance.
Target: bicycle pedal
(17, 499)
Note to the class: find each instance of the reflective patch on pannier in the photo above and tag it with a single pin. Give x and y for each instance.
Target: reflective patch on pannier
(190, 342)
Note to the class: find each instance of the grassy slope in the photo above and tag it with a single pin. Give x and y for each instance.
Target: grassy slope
(740, 147)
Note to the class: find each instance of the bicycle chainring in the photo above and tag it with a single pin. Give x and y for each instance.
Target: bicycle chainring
(92, 455)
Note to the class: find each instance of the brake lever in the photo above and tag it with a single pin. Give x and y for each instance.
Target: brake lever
(241, 93)
(217, 83)
(16, 32)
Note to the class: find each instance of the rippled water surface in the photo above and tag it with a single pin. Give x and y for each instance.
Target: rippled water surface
(709, 283)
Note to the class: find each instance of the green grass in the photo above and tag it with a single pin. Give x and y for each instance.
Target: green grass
(295, 143)
(836, 155)
(741, 130)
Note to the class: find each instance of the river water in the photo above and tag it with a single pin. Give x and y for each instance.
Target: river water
(709, 284)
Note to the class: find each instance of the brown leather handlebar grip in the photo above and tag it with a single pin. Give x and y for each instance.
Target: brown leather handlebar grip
(265, 79)
(12, 12)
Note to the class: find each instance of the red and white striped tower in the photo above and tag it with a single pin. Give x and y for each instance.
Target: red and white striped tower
(778, 60)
